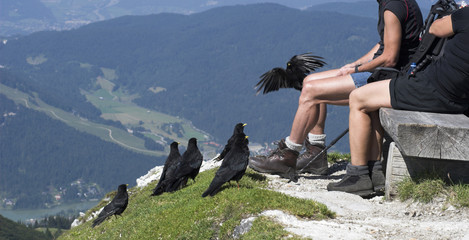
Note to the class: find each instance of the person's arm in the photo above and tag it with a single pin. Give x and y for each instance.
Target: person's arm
(350, 68)
(392, 44)
(442, 27)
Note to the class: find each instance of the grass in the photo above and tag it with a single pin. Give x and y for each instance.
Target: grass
(422, 190)
(334, 157)
(186, 215)
(429, 186)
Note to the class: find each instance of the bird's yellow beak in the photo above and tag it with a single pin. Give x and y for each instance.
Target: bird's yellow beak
(245, 124)
(246, 137)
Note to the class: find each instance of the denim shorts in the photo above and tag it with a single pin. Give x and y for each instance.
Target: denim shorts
(360, 78)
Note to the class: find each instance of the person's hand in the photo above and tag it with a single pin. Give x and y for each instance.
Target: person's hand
(346, 69)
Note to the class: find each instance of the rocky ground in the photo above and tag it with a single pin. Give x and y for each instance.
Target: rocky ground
(373, 218)
(357, 218)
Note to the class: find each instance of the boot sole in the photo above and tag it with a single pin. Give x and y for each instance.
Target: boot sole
(290, 174)
(379, 189)
(321, 171)
(363, 193)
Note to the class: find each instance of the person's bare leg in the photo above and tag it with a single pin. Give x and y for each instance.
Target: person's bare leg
(319, 127)
(321, 75)
(364, 100)
(376, 136)
(321, 123)
(333, 90)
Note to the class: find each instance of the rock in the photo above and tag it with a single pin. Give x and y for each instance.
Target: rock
(244, 227)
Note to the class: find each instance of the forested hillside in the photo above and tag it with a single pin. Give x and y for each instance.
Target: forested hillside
(204, 64)
(11, 230)
(42, 158)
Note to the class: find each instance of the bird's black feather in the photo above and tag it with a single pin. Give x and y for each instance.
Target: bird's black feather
(239, 128)
(189, 167)
(169, 169)
(297, 69)
(115, 207)
(233, 166)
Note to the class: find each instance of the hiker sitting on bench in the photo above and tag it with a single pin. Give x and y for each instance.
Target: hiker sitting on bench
(398, 26)
(442, 87)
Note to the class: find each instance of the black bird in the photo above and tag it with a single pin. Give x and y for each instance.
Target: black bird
(298, 68)
(239, 128)
(169, 169)
(233, 166)
(115, 207)
(188, 168)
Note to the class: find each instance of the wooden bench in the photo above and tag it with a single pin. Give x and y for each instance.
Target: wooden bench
(419, 142)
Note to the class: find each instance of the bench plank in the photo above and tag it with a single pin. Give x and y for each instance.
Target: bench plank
(428, 135)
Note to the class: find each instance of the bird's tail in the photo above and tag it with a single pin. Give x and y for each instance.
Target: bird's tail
(176, 184)
(99, 220)
(211, 190)
(159, 189)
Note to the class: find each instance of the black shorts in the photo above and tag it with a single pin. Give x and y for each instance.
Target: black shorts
(419, 94)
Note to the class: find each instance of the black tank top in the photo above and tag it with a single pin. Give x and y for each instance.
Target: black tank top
(410, 17)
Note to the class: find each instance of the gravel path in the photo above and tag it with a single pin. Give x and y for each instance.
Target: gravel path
(374, 218)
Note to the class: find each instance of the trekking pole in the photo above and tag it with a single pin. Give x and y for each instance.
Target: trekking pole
(325, 149)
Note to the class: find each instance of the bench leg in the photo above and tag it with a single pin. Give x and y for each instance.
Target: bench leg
(396, 171)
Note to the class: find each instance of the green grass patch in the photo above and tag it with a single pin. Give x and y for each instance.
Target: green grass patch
(460, 195)
(425, 188)
(334, 157)
(186, 215)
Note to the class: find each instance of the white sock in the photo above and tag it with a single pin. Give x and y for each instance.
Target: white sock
(293, 146)
(317, 139)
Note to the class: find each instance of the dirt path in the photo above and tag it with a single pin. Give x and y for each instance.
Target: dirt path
(374, 218)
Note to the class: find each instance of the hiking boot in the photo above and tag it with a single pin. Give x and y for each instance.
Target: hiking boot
(306, 164)
(378, 179)
(282, 161)
(356, 181)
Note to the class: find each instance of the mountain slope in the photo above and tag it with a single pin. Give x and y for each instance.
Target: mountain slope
(42, 158)
(206, 64)
(184, 214)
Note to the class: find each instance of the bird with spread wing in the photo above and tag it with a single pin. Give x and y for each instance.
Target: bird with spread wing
(297, 69)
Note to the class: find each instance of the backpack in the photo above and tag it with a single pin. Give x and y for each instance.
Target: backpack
(429, 48)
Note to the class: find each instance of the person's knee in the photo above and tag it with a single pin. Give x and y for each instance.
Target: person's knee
(356, 100)
(312, 77)
(308, 94)
(308, 78)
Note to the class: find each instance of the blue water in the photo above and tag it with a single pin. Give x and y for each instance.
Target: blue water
(25, 215)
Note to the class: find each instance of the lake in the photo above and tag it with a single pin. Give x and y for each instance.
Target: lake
(24, 215)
